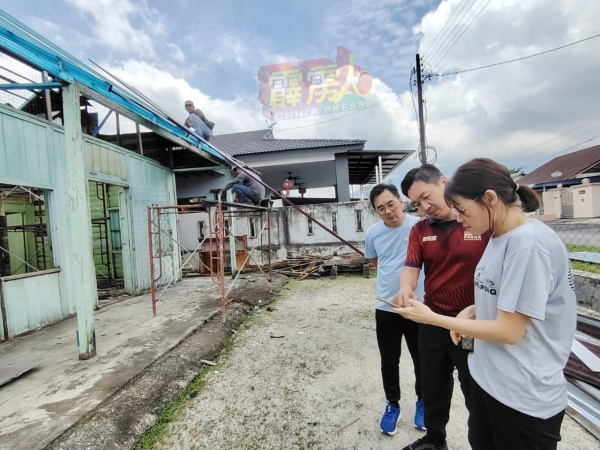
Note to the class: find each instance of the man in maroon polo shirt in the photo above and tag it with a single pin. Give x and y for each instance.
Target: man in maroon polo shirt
(449, 255)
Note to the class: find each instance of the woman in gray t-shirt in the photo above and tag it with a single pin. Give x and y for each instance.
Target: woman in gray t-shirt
(525, 311)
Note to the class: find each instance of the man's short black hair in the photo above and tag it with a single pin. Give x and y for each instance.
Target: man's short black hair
(427, 173)
(379, 189)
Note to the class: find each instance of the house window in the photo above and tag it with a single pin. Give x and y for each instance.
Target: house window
(334, 226)
(25, 246)
(252, 227)
(201, 229)
(310, 227)
(359, 222)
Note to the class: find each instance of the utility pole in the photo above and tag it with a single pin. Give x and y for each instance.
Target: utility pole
(423, 150)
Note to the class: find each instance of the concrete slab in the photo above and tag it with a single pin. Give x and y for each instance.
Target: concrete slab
(39, 406)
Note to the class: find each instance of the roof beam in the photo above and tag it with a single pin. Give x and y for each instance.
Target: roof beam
(31, 86)
(93, 95)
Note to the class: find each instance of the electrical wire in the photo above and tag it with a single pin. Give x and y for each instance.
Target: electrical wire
(505, 104)
(453, 23)
(397, 119)
(432, 46)
(561, 151)
(395, 123)
(520, 59)
(572, 130)
(461, 34)
(385, 135)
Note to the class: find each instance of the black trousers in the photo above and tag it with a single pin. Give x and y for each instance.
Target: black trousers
(390, 329)
(495, 426)
(439, 356)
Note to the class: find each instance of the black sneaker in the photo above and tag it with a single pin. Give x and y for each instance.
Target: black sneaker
(425, 444)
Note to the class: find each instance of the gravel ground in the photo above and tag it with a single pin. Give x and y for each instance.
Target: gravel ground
(307, 376)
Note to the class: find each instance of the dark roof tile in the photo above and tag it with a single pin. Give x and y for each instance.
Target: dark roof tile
(569, 165)
(262, 141)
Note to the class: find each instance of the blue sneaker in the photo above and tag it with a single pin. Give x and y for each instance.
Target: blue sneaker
(389, 421)
(420, 416)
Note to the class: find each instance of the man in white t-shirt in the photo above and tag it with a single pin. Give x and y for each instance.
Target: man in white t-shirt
(385, 247)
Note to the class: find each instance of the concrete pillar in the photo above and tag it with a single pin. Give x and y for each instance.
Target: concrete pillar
(342, 178)
(79, 266)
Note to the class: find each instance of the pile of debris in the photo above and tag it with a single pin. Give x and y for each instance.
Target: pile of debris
(303, 265)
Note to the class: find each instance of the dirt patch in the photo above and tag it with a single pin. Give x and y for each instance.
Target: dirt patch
(306, 375)
(122, 419)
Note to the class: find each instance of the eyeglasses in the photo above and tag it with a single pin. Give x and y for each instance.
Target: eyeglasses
(392, 205)
(459, 213)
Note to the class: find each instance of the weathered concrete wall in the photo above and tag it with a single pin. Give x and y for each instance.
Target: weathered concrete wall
(347, 223)
(587, 288)
(289, 231)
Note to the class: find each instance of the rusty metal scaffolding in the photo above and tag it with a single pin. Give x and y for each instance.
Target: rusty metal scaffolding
(217, 212)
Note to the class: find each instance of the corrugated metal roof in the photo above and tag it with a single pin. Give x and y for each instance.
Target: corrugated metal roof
(588, 334)
(33, 48)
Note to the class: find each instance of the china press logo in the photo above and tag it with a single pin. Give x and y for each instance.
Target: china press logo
(314, 87)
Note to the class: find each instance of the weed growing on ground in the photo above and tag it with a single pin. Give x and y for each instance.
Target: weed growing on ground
(154, 434)
(169, 412)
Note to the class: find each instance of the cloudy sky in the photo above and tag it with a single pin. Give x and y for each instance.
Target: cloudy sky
(520, 114)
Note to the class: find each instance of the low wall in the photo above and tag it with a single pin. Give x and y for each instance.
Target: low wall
(587, 288)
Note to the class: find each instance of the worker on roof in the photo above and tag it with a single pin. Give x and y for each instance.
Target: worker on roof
(198, 121)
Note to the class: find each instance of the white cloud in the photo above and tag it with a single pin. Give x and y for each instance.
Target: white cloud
(240, 114)
(513, 113)
(113, 27)
(378, 32)
(244, 112)
(508, 110)
(229, 48)
(176, 52)
(48, 29)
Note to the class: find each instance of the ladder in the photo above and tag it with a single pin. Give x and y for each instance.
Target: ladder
(40, 232)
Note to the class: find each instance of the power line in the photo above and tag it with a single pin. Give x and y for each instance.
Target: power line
(572, 130)
(505, 104)
(430, 49)
(450, 31)
(397, 119)
(522, 58)
(395, 116)
(461, 34)
(401, 112)
(562, 151)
